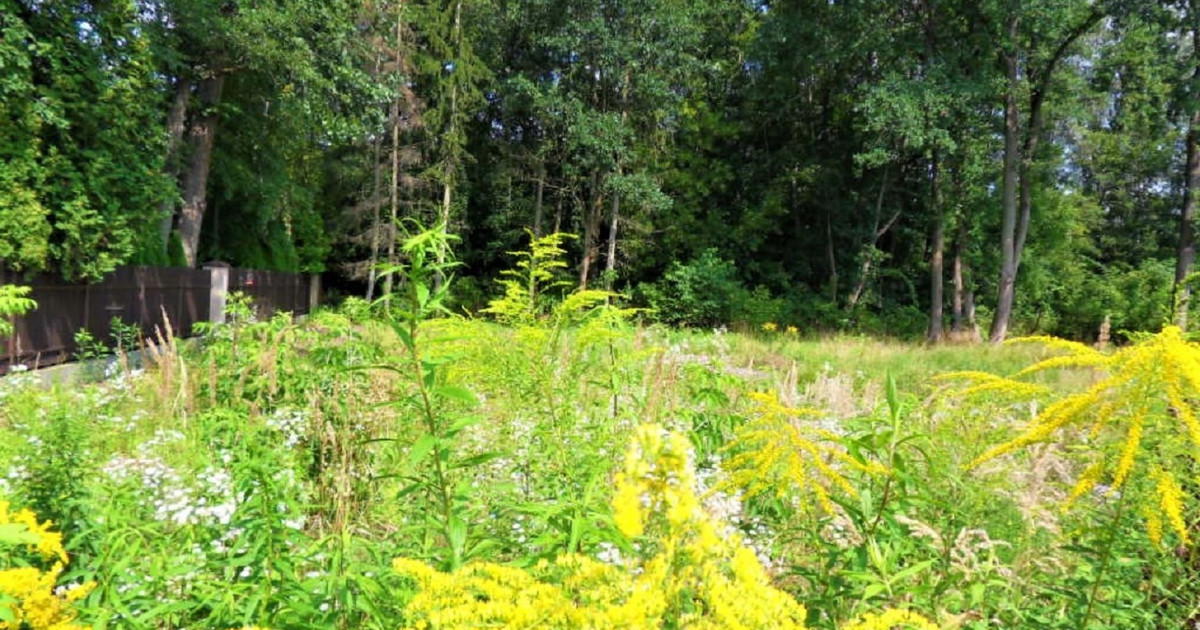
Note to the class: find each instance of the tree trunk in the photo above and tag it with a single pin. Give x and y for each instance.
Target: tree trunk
(176, 126)
(591, 225)
(195, 185)
(558, 212)
(1008, 227)
(394, 210)
(611, 260)
(959, 300)
(538, 198)
(448, 184)
(1018, 160)
(936, 270)
(833, 270)
(376, 228)
(1187, 228)
(876, 233)
(1191, 197)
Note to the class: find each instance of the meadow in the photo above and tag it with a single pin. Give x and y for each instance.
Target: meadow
(557, 463)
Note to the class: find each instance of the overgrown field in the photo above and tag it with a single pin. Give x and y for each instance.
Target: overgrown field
(567, 468)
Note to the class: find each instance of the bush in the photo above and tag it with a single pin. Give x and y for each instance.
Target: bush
(705, 292)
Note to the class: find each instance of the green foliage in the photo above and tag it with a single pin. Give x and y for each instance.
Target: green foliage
(88, 347)
(81, 146)
(537, 274)
(705, 292)
(14, 302)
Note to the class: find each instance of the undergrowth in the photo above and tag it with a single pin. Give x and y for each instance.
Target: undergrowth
(560, 465)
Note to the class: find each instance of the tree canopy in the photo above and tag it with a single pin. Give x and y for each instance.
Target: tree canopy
(917, 167)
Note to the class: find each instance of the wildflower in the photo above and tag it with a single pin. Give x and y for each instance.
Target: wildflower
(29, 596)
(779, 451)
(770, 327)
(1142, 397)
(894, 619)
(691, 575)
(793, 331)
(39, 536)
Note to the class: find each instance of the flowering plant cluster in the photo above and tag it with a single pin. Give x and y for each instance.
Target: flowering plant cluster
(30, 597)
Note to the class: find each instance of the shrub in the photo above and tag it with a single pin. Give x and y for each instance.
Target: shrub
(702, 293)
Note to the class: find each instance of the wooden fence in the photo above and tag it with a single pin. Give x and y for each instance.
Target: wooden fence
(140, 296)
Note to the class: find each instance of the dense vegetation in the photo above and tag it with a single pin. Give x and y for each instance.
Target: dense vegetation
(534, 414)
(385, 466)
(908, 167)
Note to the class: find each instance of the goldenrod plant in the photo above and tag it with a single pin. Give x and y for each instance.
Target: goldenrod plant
(1137, 416)
(536, 273)
(688, 571)
(1136, 420)
(31, 598)
(786, 450)
(687, 574)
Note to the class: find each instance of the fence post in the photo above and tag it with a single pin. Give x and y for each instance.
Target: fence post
(218, 290)
(314, 291)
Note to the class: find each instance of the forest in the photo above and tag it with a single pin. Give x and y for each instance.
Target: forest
(913, 168)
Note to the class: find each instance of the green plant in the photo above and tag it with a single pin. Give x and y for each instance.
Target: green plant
(128, 337)
(431, 467)
(705, 292)
(88, 347)
(14, 302)
(536, 274)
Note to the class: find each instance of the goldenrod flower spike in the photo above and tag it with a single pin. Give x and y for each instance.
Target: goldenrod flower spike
(689, 566)
(894, 619)
(778, 452)
(982, 383)
(1144, 396)
(29, 594)
(1171, 502)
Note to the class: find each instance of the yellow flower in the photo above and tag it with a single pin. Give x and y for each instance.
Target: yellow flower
(28, 593)
(692, 575)
(778, 451)
(894, 619)
(49, 544)
(1143, 395)
(792, 330)
(770, 327)
(1170, 497)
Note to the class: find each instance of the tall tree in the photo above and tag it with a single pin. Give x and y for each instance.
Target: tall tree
(1031, 51)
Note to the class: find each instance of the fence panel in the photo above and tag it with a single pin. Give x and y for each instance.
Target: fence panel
(136, 295)
(272, 291)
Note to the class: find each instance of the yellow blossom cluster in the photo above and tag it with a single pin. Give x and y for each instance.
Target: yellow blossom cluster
(1138, 408)
(25, 529)
(895, 619)
(28, 598)
(687, 576)
(783, 449)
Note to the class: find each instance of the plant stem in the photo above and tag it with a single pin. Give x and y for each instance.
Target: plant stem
(431, 424)
(1105, 560)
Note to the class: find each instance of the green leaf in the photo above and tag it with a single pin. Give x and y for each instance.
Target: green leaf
(421, 449)
(460, 394)
(893, 397)
(476, 460)
(14, 534)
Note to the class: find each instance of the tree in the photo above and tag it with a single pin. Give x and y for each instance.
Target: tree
(1031, 51)
(80, 165)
